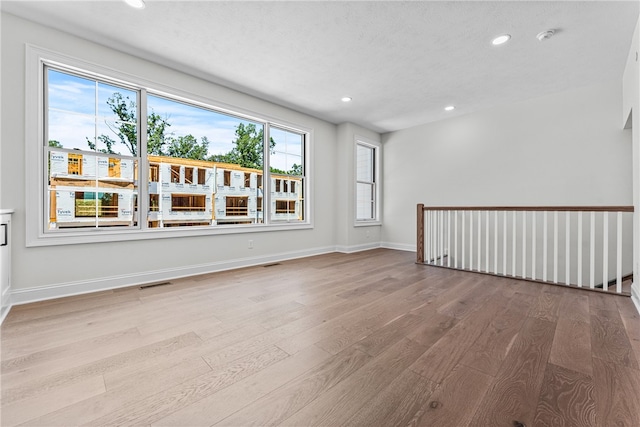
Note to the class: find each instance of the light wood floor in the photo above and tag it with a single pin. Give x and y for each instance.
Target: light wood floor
(365, 339)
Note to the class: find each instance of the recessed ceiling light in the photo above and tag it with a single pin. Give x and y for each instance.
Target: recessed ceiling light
(138, 4)
(500, 39)
(346, 99)
(545, 35)
(449, 108)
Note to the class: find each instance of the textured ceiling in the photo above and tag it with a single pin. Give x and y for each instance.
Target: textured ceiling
(402, 62)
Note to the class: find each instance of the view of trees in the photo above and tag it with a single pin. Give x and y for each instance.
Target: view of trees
(247, 148)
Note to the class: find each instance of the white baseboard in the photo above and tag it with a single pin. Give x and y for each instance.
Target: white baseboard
(357, 248)
(635, 295)
(41, 293)
(398, 246)
(4, 312)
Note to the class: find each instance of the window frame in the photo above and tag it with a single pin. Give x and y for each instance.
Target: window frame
(37, 59)
(376, 146)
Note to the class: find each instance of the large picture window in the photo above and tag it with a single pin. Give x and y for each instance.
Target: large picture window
(110, 165)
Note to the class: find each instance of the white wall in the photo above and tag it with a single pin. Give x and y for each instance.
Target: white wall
(40, 272)
(565, 149)
(631, 117)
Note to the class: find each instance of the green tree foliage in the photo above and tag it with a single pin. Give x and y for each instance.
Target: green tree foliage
(295, 170)
(156, 133)
(188, 147)
(247, 147)
(106, 141)
(125, 128)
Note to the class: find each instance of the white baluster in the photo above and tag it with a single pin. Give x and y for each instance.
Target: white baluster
(486, 242)
(513, 246)
(479, 241)
(427, 232)
(504, 243)
(545, 259)
(426, 236)
(464, 235)
(435, 237)
(555, 247)
(567, 245)
(524, 243)
(442, 241)
(448, 238)
(438, 238)
(455, 239)
(495, 242)
(592, 259)
(580, 249)
(619, 254)
(471, 240)
(534, 238)
(605, 251)
(441, 232)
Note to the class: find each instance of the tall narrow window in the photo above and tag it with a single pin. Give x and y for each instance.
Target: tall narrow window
(366, 181)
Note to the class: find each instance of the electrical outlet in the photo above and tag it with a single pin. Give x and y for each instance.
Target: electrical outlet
(250, 244)
(368, 234)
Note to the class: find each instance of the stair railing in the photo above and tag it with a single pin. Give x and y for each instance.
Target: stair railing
(583, 246)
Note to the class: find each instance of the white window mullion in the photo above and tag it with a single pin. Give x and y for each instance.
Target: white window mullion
(266, 176)
(143, 161)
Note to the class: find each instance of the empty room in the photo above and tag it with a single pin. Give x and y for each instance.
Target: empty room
(320, 213)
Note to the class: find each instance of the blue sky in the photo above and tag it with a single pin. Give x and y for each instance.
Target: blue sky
(288, 149)
(74, 101)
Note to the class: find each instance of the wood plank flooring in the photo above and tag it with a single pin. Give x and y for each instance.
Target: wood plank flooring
(365, 339)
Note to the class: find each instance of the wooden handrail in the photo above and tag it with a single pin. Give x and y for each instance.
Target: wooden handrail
(531, 208)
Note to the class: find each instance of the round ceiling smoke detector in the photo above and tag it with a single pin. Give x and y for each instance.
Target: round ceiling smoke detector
(545, 35)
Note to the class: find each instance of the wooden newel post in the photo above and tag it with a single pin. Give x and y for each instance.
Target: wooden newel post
(420, 235)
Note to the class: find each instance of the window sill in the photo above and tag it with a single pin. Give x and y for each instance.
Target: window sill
(108, 236)
(367, 223)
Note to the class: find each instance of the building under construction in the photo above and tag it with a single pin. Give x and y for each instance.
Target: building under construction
(100, 190)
